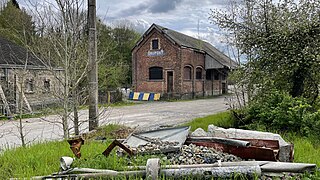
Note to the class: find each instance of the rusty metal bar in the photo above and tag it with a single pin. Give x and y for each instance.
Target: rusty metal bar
(113, 145)
(272, 144)
(257, 153)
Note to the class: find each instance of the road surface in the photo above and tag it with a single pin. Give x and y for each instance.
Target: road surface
(145, 116)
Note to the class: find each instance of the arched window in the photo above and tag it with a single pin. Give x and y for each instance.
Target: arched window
(155, 73)
(187, 73)
(199, 73)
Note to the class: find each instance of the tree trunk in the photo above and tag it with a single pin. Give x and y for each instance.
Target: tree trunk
(75, 113)
(22, 136)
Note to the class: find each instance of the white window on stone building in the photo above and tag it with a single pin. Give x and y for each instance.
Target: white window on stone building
(29, 85)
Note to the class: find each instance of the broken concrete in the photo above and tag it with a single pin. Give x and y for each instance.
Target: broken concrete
(199, 132)
(285, 149)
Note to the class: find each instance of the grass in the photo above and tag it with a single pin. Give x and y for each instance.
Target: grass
(306, 149)
(222, 119)
(43, 159)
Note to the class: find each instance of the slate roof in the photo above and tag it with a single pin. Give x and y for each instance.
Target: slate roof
(15, 55)
(197, 44)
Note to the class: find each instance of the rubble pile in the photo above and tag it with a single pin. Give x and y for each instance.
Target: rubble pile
(155, 146)
(193, 154)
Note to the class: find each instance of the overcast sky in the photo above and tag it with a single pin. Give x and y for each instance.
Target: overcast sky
(187, 16)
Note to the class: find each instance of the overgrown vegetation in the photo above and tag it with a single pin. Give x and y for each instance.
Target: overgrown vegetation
(279, 111)
(277, 87)
(280, 42)
(223, 119)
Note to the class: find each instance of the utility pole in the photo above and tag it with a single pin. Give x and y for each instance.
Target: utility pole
(93, 72)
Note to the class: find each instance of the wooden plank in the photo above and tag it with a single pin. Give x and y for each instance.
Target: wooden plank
(24, 98)
(4, 100)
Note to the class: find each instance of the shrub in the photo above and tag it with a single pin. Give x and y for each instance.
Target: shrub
(278, 111)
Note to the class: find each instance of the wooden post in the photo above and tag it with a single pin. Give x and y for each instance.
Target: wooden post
(109, 97)
(93, 72)
(5, 102)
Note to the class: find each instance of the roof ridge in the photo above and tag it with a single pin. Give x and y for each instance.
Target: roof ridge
(179, 33)
(195, 43)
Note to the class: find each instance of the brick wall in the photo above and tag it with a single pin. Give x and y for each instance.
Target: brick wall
(174, 58)
(169, 61)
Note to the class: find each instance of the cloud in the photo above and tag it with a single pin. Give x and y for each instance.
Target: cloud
(162, 6)
(150, 6)
(135, 10)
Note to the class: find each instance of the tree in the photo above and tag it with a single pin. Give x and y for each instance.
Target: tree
(281, 41)
(15, 23)
(62, 43)
(114, 48)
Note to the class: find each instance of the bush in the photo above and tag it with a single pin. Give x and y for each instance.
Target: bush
(278, 111)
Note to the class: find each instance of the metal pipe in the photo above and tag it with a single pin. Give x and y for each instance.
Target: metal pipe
(222, 164)
(221, 172)
(232, 142)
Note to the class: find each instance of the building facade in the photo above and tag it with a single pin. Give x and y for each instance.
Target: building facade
(176, 65)
(25, 80)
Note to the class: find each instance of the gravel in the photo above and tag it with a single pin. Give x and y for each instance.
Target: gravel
(192, 154)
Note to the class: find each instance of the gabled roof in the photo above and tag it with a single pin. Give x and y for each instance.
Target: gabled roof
(191, 42)
(12, 55)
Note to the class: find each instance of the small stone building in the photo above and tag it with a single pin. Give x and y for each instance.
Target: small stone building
(176, 65)
(24, 78)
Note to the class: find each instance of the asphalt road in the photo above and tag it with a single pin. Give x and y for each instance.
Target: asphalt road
(143, 116)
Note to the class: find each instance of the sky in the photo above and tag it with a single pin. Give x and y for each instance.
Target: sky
(190, 17)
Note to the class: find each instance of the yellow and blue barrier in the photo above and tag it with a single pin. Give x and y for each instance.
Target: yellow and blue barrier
(141, 96)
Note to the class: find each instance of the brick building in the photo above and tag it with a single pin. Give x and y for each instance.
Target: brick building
(24, 78)
(176, 65)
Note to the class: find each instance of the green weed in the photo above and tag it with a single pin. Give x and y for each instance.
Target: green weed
(223, 119)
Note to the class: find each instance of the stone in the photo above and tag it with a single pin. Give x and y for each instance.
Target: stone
(203, 155)
(199, 132)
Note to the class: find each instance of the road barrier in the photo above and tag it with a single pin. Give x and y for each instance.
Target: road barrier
(141, 96)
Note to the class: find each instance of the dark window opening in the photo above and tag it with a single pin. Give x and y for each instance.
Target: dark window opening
(155, 44)
(198, 73)
(216, 75)
(46, 85)
(187, 73)
(208, 74)
(223, 76)
(155, 73)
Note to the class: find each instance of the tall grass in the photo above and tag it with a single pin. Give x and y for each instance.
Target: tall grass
(39, 159)
(223, 119)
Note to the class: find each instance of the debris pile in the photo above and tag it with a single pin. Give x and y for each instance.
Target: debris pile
(192, 154)
(155, 146)
(218, 153)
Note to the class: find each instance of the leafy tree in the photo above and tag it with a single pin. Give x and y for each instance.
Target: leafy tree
(281, 41)
(15, 23)
(114, 49)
